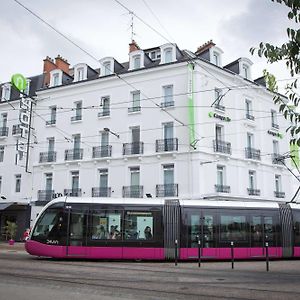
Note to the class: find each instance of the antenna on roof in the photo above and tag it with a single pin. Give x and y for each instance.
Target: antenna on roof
(131, 25)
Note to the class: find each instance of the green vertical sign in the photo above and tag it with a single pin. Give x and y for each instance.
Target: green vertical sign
(191, 108)
(294, 149)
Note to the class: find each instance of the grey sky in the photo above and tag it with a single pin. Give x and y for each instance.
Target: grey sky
(102, 28)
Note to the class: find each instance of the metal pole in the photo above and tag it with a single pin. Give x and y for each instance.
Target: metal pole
(267, 256)
(232, 255)
(199, 251)
(176, 252)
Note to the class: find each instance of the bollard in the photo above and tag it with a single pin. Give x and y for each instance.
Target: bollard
(267, 256)
(199, 251)
(232, 255)
(176, 252)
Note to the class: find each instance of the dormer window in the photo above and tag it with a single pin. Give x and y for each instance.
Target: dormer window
(27, 90)
(215, 56)
(6, 90)
(245, 67)
(107, 66)
(245, 70)
(55, 78)
(168, 53)
(80, 72)
(136, 61)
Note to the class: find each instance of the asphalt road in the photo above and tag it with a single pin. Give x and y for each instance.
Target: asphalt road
(25, 277)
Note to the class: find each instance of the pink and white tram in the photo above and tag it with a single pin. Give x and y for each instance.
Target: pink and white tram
(112, 228)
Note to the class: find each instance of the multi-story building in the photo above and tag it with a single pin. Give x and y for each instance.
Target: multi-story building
(167, 123)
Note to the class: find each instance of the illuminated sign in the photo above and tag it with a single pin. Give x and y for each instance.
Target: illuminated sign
(19, 82)
(217, 116)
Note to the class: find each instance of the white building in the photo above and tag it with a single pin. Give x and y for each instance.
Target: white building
(168, 123)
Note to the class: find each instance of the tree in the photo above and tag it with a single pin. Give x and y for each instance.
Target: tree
(289, 53)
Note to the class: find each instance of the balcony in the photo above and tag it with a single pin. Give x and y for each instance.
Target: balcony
(51, 122)
(45, 195)
(253, 192)
(275, 126)
(252, 153)
(219, 107)
(49, 156)
(250, 117)
(76, 118)
(222, 147)
(276, 159)
(133, 148)
(222, 188)
(3, 131)
(167, 190)
(102, 151)
(16, 130)
(134, 109)
(101, 192)
(72, 192)
(167, 104)
(279, 194)
(166, 145)
(104, 113)
(133, 191)
(73, 154)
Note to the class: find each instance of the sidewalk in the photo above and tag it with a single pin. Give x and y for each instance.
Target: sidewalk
(18, 246)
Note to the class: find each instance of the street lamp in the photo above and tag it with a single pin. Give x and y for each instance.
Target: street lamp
(108, 130)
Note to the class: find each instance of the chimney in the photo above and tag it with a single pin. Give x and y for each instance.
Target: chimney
(205, 47)
(49, 65)
(62, 64)
(133, 46)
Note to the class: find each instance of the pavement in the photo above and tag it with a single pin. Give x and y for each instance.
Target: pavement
(18, 246)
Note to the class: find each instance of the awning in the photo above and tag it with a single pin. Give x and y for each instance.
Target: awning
(3, 206)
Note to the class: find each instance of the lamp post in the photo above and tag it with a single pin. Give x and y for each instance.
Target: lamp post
(113, 133)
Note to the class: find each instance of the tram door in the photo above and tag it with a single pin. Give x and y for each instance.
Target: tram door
(76, 231)
(263, 230)
(204, 227)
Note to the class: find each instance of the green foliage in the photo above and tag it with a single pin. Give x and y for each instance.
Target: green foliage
(11, 229)
(289, 53)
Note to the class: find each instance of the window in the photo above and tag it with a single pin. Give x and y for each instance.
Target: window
(168, 55)
(249, 113)
(252, 180)
(153, 55)
(103, 178)
(76, 139)
(220, 175)
(274, 119)
(233, 228)
(75, 181)
(219, 133)
(3, 120)
(78, 111)
(275, 147)
(136, 105)
(53, 115)
(169, 180)
(48, 177)
(250, 140)
(27, 90)
(136, 62)
(0, 183)
(277, 183)
(18, 183)
(107, 68)
(6, 89)
(168, 96)
(138, 225)
(105, 104)
(216, 58)
(106, 225)
(245, 71)
(1, 153)
(55, 79)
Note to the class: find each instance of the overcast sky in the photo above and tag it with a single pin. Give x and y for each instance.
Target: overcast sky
(102, 27)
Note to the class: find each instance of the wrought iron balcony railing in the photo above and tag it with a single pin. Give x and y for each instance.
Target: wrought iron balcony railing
(252, 153)
(253, 192)
(73, 154)
(222, 188)
(72, 192)
(277, 159)
(3, 131)
(102, 151)
(49, 156)
(104, 113)
(133, 148)
(76, 118)
(133, 191)
(134, 109)
(51, 122)
(101, 192)
(219, 107)
(279, 194)
(222, 147)
(250, 117)
(274, 125)
(166, 145)
(167, 190)
(167, 104)
(45, 195)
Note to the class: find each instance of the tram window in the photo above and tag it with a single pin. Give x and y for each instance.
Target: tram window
(233, 228)
(296, 217)
(269, 229)
(195, 230)
(106, 225)
(138, 225)
(51, 226)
